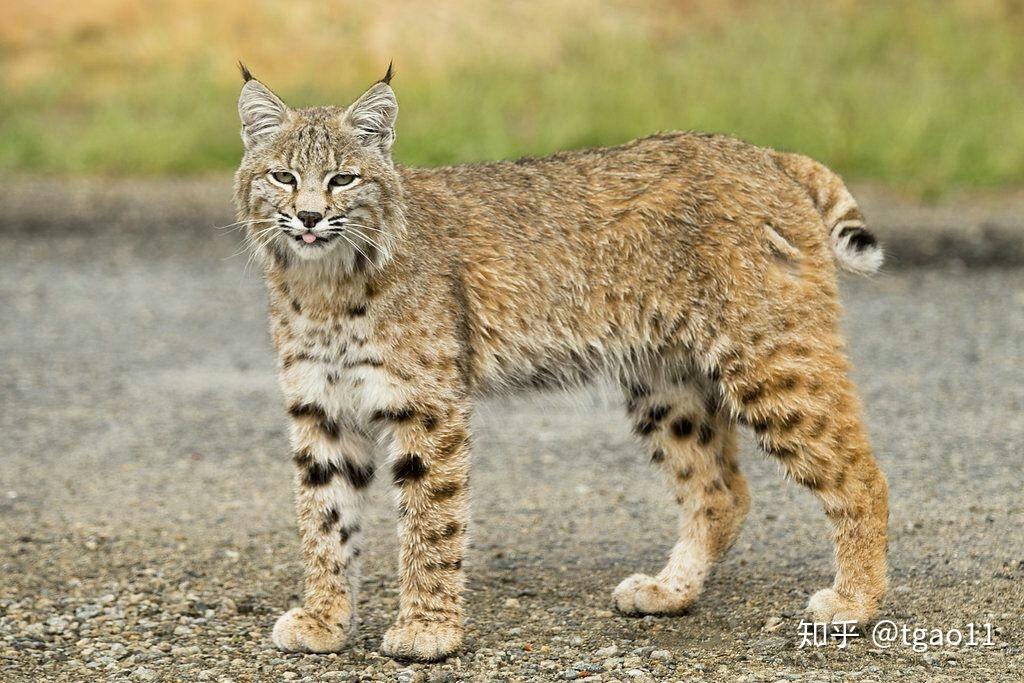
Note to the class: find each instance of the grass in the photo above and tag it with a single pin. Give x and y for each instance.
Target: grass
(923, 95)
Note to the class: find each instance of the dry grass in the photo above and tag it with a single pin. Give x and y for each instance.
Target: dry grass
(920, 94)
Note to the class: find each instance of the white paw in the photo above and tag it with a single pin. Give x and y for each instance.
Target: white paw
(299, 631)
(827, 606)
(422, 641)
(642, 594)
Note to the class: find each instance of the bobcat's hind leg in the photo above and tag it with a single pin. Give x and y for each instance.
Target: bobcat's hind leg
(803, 408)
(693, 441)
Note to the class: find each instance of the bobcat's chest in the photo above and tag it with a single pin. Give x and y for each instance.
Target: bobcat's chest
(336, 362)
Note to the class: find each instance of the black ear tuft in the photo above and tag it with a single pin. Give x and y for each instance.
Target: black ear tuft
(246, 74)
(390, 74)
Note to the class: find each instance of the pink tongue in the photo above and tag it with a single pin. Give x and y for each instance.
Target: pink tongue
(308, 238)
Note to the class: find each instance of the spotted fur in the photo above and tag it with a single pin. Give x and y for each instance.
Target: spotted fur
(696, 270)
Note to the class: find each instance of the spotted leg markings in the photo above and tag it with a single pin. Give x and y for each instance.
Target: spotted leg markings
(695, 448)
(429, 471)
(333, 469)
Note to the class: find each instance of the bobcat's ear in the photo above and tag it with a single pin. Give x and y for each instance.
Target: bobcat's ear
(373, 114)
(262, 112)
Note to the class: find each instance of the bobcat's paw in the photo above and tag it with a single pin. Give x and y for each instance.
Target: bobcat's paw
(642, 594)
(422, 641)
(827, 606)
(299, 631)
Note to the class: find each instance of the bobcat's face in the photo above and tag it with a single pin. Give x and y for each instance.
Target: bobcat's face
(319, 181)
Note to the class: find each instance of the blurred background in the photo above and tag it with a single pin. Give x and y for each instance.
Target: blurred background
(146, 524)
(921, 95)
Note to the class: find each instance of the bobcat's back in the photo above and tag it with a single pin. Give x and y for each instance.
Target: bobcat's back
(576, 262)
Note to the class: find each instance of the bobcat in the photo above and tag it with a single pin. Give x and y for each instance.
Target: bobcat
(697, 271)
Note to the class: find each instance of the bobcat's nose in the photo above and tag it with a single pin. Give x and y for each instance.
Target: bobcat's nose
(309, 218)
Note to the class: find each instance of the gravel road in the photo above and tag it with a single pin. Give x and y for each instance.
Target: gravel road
(145, 516)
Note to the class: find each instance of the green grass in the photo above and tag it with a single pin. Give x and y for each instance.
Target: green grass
(924, 96)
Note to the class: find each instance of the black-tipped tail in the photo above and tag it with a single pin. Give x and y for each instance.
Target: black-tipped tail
(855, 247)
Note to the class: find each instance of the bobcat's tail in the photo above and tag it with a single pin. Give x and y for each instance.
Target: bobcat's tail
(854, 246)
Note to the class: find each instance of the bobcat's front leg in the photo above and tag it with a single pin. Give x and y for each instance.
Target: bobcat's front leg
(333, 468)
(430, 467)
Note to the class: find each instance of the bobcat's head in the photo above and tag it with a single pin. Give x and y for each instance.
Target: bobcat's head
(319, 182)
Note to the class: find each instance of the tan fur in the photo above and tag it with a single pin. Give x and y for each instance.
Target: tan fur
(697, 270)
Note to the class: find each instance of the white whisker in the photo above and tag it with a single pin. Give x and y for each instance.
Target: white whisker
(249, 240)
(359, 227)
(367, 239)
(356, 247)
(367, 227)
(255, 251)
(238, 225)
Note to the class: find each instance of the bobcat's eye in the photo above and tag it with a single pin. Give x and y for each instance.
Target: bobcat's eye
(343, 180)
(284, 178)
